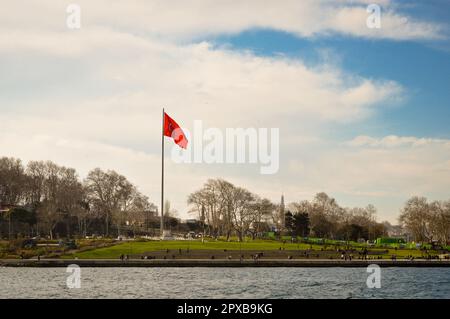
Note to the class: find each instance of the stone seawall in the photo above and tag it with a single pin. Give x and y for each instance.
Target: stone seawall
(220, 263)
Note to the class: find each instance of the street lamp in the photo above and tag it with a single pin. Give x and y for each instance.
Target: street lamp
(9, 220)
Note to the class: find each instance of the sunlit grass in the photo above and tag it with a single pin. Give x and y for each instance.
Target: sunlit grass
(136, 248)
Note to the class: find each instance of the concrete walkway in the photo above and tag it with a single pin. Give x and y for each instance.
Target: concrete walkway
(219, 263)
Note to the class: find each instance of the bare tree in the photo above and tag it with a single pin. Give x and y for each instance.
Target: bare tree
(415, 217)
(327, 215)
(224, 207)
(12, 181)
(210, 205)
(439, 223)
(56, 191)
(261, 212)
(36, 176)
(138, 212)
(108, 193)
(241, 211)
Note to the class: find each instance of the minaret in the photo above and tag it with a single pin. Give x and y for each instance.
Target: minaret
(282, 216)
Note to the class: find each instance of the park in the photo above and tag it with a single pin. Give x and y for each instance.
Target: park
(47, 212)
(221, 253)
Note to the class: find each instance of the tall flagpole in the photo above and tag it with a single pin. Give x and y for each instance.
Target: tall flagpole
(162, 175)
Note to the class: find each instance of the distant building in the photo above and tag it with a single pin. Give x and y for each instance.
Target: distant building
(192, 221)
(394, 230)
(141, 219)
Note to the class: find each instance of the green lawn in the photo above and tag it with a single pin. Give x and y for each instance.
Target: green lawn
(133, 248)
(142, 247)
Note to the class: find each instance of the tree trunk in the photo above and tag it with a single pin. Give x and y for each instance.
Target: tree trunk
(68, 228)
(240, 235)
(107, 225)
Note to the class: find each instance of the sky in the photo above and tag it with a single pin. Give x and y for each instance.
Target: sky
(362, 112)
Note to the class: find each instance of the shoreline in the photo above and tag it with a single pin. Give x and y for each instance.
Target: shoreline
(318, 263)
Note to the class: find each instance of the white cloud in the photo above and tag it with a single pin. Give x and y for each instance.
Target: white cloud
(93, 97)
(110, 117)
(183, 19)
(394, 26)
(142, 75)
(397, 141)
(383, 171)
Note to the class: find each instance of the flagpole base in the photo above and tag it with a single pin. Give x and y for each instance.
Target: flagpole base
(167, 235)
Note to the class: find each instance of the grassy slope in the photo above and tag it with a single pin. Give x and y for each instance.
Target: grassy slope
(141, 247)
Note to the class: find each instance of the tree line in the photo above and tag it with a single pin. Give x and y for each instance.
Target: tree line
(427, 221)
(43, 197)
(226, 209)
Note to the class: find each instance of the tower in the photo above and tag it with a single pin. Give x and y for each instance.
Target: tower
(281, 213)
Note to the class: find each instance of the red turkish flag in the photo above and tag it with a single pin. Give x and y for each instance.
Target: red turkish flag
(173, 130)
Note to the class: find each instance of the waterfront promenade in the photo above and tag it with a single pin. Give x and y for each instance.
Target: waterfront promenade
(220, 263)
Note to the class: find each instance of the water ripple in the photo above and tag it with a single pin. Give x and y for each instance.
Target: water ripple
(188, 283)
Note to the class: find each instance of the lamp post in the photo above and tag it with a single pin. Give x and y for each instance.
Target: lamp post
(9, 224)
(9, 220)
(7, 210)
(240, 249)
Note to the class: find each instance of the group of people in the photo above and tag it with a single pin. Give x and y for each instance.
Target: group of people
(147, 257)
(345, 256)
